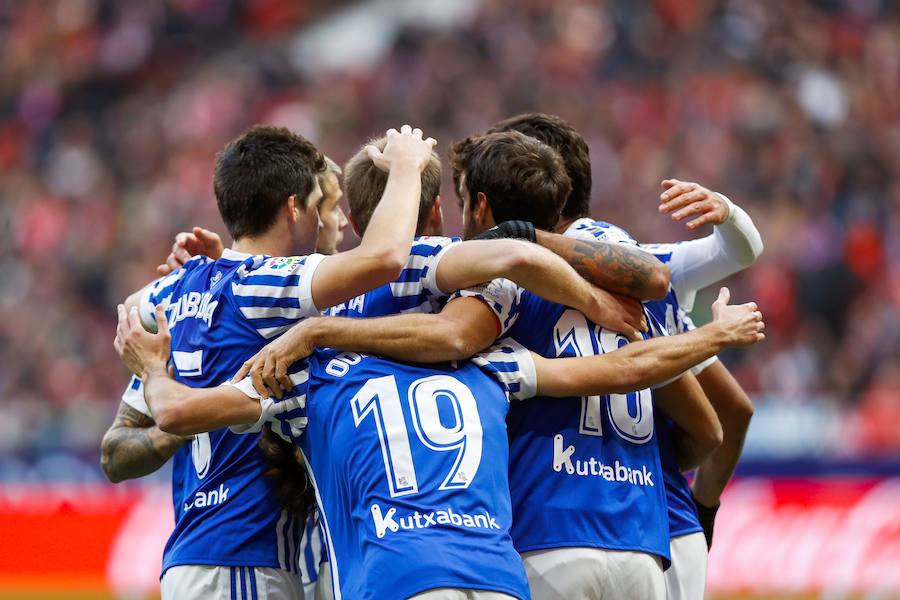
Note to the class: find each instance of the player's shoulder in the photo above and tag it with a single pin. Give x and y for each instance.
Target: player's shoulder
(431, 245)
(587, 228)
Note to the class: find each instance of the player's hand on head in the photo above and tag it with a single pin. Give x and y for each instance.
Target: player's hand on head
(742, 323)
(688, 200)
(268, 368)
(197, 242)
(403, 147)
(618, 313)
(140, 350)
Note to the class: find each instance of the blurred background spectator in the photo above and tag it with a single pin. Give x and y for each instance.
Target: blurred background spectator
(111, 115)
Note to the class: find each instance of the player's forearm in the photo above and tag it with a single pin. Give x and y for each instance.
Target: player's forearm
(614, 267)
(182, 410)
(700, 432)
(391, 229)
(415, 338)
(129, 453)
(735, 412)
(637, 366)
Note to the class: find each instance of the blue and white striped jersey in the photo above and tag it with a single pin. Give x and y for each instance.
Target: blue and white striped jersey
(220, 313)
(415, 290)
(409, 465)
(133, 396)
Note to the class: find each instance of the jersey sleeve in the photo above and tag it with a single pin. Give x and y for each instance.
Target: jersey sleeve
(286, 417)
(512, 366)
(502, 296)
(594, 231)
(417, 282)
(134, 396)
(273, 293)
(160, 291)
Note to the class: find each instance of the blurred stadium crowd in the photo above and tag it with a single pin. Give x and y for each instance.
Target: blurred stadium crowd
(111, 113)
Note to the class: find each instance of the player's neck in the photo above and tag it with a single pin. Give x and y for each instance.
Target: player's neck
(272, 245)
(564, 223)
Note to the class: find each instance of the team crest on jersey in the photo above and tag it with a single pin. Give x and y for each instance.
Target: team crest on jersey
(201, 453)
(282, 263)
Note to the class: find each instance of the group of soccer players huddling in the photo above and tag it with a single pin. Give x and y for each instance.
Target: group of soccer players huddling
(508, 416)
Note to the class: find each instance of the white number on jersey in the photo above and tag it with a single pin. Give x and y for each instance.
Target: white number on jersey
(572, 331)
(381, 398)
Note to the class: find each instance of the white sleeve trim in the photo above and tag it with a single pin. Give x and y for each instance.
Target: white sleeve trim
(135, 398)
(246, 387)
(306, 278)
(431, 277)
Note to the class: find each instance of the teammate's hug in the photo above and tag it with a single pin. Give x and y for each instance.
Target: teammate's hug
(506, 415)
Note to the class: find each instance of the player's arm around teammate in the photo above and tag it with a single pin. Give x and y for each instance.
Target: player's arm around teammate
(734, 245)
(384, 248)
(134, 446)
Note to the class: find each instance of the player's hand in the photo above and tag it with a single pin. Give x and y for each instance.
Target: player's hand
(683, 199)
(403, 147)
(140, 350)
(197, 242)
(618, 313)
(269, 367)
(742, 324)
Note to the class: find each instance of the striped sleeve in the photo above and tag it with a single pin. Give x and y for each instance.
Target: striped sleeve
(274, 293)
(160, 291)
(134, 396)
(417, 283)
(286, 417)
(591, 230)
(502, 296)
(512, 366)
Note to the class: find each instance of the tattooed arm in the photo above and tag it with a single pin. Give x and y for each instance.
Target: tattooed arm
(614, 267)
(134, 446)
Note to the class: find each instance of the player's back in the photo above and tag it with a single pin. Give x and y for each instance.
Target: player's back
(583, 472)
(220, 313)
(409, 465)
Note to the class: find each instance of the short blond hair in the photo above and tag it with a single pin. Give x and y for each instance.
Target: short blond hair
(364, 185)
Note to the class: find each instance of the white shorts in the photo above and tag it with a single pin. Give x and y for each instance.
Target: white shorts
(594, 574)
(323, 589)
(188, 582)
(686, 578)
(457, 594)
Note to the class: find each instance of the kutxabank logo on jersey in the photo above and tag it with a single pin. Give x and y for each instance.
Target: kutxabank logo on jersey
(565, 461)
(201, 456)
(390, 521)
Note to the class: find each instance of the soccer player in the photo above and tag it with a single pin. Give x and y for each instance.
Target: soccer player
(387, 497)
(735, 244)
(426, 337)
(267, 192)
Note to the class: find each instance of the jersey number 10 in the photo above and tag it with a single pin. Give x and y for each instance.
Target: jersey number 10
(631, 415)
(380, 398)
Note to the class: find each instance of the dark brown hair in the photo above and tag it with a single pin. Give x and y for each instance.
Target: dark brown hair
(522, 178)
(364, 184)
(562, 137)
(287, 473)
(257, 172)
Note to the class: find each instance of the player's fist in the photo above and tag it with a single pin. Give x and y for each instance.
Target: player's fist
(197, 242)
(404, 147)
(684, 199)
(618, 313)
(741, 324)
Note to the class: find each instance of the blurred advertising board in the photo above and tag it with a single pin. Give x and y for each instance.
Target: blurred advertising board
(825, 537)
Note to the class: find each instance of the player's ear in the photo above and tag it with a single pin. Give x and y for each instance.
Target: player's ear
(436, 218)
(292, 208)
(353, 224)
(483, 213)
